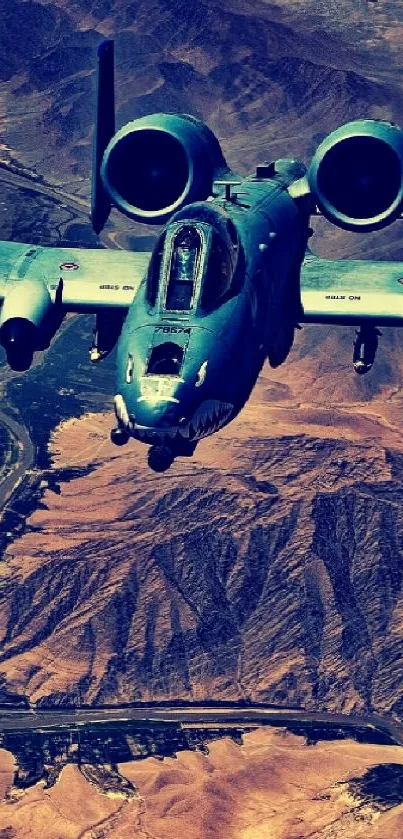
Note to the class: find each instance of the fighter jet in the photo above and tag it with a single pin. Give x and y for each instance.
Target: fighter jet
(229, 279)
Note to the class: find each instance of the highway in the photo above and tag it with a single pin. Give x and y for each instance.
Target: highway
(74, 203)
(22, 180)
(194, 716)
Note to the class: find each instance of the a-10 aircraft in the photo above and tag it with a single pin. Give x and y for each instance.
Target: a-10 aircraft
(229, 279)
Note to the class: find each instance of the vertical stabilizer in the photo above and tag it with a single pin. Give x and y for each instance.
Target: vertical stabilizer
(104, 131)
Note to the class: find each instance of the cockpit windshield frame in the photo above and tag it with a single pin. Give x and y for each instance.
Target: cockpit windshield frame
(173, 232)
(222, 267)
(184, 272)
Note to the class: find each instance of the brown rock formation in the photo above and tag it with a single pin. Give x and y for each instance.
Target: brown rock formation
(267, 567)
(6, 773)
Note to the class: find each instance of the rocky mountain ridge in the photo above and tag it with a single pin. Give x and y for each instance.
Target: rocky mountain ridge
(268, 568)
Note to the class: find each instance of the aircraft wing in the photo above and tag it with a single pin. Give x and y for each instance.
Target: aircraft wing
(346, 291)
(10, 253)
(85, 280)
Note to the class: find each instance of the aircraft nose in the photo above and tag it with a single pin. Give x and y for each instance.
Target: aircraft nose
(160, 415)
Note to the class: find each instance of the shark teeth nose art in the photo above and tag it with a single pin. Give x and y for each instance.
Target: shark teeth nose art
(209, 417)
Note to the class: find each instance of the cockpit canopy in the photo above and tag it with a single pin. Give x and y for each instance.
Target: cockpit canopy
(194, 261)
(183, 270)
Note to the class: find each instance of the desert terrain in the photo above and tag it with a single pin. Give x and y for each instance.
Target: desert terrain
(134, 586)
(272, 785)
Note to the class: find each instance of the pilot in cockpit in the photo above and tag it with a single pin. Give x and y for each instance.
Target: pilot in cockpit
(183, 270)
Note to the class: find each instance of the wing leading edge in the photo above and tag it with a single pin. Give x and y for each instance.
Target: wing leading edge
(349, 291)
(83, 280)
(88, 280)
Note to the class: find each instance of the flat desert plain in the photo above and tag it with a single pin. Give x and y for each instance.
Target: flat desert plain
(274, 786)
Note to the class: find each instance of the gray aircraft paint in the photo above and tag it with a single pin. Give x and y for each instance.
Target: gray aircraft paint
(331, 291)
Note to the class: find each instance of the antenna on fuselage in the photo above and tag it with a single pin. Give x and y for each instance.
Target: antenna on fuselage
(104, 131)
(227, 184)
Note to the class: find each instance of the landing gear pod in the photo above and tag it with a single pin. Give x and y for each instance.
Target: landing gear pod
(24, 315)
(156, 164)
(160, 458)
(119, 436)
(356, 175)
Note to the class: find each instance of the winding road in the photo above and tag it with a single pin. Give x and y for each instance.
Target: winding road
(26, 181)
(25, 461)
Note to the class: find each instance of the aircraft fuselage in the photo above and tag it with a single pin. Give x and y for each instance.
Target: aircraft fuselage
(221, 294)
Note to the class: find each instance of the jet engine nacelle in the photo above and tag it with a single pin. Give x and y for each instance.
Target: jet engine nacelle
(356, 175)
(156, 164)
(26, 308)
